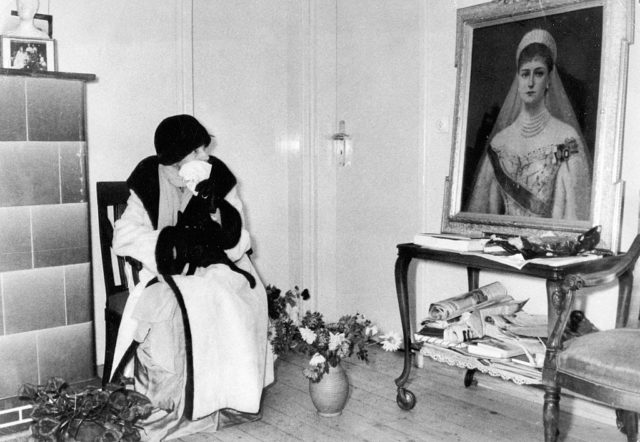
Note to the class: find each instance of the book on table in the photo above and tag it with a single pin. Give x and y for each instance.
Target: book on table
(451, 241)
(494, 348)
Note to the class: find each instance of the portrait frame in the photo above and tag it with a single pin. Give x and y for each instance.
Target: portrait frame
(496, 28)
(40, 53)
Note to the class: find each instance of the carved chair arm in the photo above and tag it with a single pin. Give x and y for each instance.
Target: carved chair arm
(601, 272)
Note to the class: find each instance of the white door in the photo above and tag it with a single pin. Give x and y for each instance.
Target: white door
(372, 79)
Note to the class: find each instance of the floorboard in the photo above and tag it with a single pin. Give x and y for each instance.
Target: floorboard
(493, 410)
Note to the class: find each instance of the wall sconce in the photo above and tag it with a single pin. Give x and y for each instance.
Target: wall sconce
(343, 146)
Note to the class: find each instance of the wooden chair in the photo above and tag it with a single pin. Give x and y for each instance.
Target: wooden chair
(112, 200)
(603, 365)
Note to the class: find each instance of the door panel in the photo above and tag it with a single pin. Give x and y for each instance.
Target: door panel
(379, 95)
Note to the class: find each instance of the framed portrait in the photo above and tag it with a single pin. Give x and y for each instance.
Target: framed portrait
(44, 22)
(31, 54)
(539, 116)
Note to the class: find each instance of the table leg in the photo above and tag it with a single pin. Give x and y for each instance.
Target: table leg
(554, 301)
(405, 398)
(473, 281)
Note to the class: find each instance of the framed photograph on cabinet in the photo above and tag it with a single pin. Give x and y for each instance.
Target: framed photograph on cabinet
(29, 54)
(539, 115)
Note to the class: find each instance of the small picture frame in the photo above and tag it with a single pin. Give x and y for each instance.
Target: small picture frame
(30, 54)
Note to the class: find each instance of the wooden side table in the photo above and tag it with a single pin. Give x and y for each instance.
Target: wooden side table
(474, 263)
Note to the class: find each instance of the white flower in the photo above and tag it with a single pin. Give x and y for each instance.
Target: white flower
(294, 313)
(317, 359)
(391, 341)
(307, 334)
(371, 330)
(335, 340)
(343, 350)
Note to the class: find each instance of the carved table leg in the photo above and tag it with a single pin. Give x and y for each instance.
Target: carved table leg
(554, 302)
(550, 413)
(405, 398)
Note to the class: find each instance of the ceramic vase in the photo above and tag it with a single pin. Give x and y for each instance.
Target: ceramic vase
(330, 394)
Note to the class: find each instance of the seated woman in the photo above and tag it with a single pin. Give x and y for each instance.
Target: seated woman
(199, 313)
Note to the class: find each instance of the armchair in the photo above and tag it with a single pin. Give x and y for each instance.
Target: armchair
(603, 365)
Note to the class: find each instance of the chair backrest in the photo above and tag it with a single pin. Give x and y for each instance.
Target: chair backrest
(112, 201)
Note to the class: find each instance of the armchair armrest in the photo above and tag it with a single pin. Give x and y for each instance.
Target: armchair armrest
(607, 270)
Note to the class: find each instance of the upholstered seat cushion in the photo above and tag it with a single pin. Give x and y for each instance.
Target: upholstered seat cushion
(610, 358)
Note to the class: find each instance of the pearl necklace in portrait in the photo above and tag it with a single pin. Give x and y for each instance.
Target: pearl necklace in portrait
(530, 126)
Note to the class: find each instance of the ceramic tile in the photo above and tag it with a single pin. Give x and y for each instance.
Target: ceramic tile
(73, 171)
(13, 125)
(15, 229)
(79, 295)
(10, 262)
(33, 299)
(60, 234)
(63, 99)
(61, 257)
(29, 174)
(15, 239)
(9, 417)
(19, 362)
(67, 352)
(1, 309)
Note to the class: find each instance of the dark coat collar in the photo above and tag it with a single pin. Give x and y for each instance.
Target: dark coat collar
(145, 182)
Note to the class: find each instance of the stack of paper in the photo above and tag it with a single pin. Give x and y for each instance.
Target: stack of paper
(450, 241)
(494, 348)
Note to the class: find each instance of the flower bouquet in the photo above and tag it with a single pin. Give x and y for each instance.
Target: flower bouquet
(307, 333)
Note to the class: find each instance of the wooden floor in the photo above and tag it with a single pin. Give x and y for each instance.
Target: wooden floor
(492, 410)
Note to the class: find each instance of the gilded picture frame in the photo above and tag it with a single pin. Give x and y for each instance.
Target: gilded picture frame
(591, 38)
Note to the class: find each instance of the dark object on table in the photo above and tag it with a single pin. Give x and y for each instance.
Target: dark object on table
(554, 246)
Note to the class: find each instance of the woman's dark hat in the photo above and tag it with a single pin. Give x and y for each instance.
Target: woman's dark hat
(178, 136)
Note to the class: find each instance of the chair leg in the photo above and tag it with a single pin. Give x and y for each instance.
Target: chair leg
(551, 413)
(628, 424)
(112, 323)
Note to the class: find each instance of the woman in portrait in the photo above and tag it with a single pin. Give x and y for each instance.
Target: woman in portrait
(535, 163)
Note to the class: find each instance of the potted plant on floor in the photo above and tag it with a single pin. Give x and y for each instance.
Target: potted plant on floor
(326, 344)
(64, 413)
